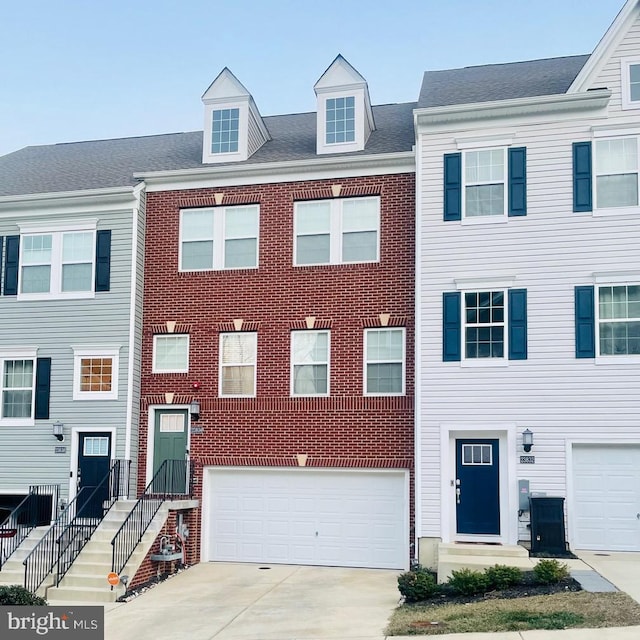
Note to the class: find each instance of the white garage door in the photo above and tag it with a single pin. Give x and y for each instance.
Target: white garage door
(606, 497)
(305, 516)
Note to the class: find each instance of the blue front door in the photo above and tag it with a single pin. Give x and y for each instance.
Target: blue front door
(477, 487)
(94, 460)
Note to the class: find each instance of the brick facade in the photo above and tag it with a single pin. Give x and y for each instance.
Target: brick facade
(343, 430)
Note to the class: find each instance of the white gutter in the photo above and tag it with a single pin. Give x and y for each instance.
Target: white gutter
(132, 320)
(111, 192)
(382, 161)
(536, 105)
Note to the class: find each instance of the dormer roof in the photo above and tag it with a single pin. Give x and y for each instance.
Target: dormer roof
(233, 127)
(344, 106)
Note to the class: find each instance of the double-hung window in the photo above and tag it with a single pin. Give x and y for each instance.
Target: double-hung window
(385, 362)
(337, 231)
(96, 373)
(619, 320)
(310, 363)
(219, 238)
(485, 184)
(65, 260)
(171, 353)
(238, 358)
(616, 169)
(17, 386)
(485, 326)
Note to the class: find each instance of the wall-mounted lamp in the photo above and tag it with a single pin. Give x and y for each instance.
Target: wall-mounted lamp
(527, 440)
(58, 430)
(194, 410)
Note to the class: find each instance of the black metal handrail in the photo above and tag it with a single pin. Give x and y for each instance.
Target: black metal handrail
(38, 508)
(173, 479)
(67, 536)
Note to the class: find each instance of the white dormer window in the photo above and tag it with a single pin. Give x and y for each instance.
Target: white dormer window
(345, 118)
(233, 127)
(341, 120)
(225, 129)
(630, 83)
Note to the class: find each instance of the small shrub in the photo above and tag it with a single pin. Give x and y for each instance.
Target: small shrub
(502, 577)
(417, 584)
(17, 595)
(550, 571)
(468, 582)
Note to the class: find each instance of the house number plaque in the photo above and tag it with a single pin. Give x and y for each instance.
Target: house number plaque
(527, 459)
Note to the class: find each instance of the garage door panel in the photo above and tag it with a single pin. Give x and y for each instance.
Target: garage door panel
(606, 497)
(335, 518)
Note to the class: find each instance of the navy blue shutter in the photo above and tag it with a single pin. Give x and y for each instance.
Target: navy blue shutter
(43, 388)
(1, 245)
(582, 177)
(451, 327)
(103, 260)
(517, 324)
(585, 311)
(11, 258)
(518, 181)
(452, 186)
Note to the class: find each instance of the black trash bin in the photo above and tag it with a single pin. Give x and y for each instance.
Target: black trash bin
(547, 525)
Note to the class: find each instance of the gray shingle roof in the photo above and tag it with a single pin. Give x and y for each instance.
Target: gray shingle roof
(499, 81)
(111, 163)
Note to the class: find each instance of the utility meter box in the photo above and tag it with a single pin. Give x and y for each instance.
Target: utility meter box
(523, 493)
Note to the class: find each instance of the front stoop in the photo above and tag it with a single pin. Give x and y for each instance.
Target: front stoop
(86, 580)
(13, 570)
(455, 556)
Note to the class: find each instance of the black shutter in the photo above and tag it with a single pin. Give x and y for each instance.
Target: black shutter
(103, 260)
(582, 177)
(11, 260)
(452, 186)
(518, 181)
(43, 388)
(451, 326)
(585, 322)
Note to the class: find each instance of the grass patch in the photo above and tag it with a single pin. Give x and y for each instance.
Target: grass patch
(578, 610)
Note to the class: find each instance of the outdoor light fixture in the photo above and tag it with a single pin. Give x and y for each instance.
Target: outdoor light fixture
(58, 430)
(194, 410)
(527, 440)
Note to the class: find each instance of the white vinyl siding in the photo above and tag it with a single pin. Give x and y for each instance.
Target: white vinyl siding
(551, 251)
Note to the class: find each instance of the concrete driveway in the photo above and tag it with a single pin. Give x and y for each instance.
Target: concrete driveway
(621, 569)
(246, 602)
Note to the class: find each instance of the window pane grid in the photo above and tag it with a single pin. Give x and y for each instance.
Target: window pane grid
(171, 353)
(96, 374)
(340, 120)
(484, 324)
(619, 320)
(225, 130)
(477, 454)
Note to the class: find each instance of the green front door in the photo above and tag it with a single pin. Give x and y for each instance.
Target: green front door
(170, 443)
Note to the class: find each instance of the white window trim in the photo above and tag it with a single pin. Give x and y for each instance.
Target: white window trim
(609, 134)
(243, 135)
(404, 362)
(154, 366)
(335, 233)
(221, 366)
(610, 359)
(328, 365)
(56, 230)
(625, 83)
(484, 362)
(490, 219)
(358, 144)
(112, 352)
(219, 219)
(19, 353)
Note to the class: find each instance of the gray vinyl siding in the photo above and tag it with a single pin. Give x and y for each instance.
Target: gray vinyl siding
(54, 327)
(548, 252)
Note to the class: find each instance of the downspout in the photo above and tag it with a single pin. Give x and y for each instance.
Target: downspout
(132, 319)
(417, 440)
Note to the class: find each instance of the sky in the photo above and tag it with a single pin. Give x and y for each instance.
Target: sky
(75, 70)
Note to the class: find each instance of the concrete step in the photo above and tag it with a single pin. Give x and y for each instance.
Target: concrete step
(82, 594)
(472, 549)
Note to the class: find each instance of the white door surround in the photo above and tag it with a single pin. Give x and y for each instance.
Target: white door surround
(506, 435)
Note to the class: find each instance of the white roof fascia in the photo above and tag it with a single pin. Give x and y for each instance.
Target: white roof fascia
(604, 49)
(277, 172)
(536, 105)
